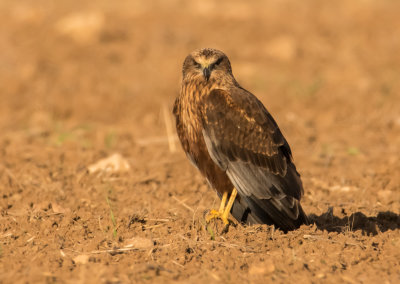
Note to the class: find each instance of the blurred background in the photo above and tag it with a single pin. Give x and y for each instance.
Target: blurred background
(90, 70)
(80, 80)
(101, 62)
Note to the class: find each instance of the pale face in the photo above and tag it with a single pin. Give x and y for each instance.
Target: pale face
(206, 64)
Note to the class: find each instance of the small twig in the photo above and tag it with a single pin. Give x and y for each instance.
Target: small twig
(174, 262)
(53, 214)
(31, 239)
(5, 235)
(100, 226)
(157, 220)
(311, 237)
(153, 226)
(183, 204)
(113, 250)
(168, 126)
(150, 253)
(112, 217)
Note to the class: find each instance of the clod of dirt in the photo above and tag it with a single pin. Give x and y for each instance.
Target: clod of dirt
(262, 268)
(81, 259)
(112, 164)
(139, 243)
(58, 209)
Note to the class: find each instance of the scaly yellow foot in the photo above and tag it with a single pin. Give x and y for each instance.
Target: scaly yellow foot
(214, 214)
(223, 211)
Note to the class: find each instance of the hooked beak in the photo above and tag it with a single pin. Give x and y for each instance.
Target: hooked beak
(206, 73)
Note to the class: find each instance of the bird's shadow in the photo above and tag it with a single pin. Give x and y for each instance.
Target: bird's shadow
(383, 222)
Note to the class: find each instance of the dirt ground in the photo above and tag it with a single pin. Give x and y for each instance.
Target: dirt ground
(83, 80)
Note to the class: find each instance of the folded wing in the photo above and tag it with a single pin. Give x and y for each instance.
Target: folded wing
(243, 139)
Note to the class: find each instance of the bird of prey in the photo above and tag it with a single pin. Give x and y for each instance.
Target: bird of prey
(232, 139)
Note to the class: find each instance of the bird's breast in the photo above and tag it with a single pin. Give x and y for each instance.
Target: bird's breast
(191, 94)
(189, 128)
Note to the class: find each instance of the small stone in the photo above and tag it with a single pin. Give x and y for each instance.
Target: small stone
(81, 259)
(112, 164)
(139, 243)
(262, 268)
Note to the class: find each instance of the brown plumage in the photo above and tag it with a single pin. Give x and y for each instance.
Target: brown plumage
(232, 139)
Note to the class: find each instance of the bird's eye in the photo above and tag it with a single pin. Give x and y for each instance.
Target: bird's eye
(196, 64)
(218, 61)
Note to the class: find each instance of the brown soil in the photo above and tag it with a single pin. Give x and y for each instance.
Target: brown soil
(81, 82)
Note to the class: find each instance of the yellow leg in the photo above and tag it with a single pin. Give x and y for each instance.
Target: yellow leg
(223, 211)
(223, 201)
(229, 205)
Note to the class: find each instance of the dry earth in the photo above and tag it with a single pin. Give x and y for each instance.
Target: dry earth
(83, 80)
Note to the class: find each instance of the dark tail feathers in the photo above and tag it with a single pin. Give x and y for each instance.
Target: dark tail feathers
(261, 211)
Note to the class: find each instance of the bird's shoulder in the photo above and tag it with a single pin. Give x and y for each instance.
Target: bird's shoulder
(235, 117)
(237, 104)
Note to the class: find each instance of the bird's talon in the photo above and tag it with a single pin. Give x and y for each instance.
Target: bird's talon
(215, 214)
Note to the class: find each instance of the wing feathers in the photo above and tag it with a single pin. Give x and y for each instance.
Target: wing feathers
(243, 139)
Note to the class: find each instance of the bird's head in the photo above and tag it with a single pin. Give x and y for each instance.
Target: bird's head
(205, 64)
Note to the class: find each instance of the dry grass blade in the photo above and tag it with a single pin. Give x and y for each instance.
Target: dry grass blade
(169, 128)
(153, 226)
(112, 251)
(119, 250)
(176, 263)
(112, 217)
(5, 235)
(183, 204)
(157, 220)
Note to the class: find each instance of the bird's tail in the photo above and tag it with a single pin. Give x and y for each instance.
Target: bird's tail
(264, 211)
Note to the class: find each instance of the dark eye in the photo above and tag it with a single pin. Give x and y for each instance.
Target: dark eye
(196, 64)
(218, 61)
